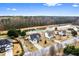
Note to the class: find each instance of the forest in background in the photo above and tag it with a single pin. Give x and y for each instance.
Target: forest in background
(9, 22)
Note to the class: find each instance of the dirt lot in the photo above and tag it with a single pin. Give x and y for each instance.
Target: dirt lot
(51, 41)
(30, 46)
(43, 43)
(17, 50)
(62, 38)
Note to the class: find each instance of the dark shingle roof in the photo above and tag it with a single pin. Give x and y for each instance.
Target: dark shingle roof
(5, 41)
(35, 36)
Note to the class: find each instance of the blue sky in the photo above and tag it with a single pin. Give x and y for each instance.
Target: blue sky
(39, 9)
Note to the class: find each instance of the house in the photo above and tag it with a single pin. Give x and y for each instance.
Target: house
(35, 37)
(62, 33)
(49, 34)
(4, 45)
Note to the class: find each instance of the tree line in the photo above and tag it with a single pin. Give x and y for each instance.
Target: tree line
(9, 22)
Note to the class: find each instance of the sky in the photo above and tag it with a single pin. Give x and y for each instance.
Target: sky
(39, 9)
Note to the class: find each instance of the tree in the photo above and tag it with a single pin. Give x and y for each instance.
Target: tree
(19, 32)
(76, 52)
(68, 50)
(71, 50)
(12, 33)
(23, 33)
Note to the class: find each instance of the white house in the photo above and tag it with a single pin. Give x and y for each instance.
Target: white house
(35, 37)
(49, 34)
(62, 33)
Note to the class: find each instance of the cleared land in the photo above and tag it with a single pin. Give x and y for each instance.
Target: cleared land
(44, 42)
(30, 46)
(17, 50)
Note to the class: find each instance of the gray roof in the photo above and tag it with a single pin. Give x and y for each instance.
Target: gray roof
(35, 36)
(4, 41)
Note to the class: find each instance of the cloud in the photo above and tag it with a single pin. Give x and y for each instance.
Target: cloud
(14, 9)
(8, 8)
(75, 5)
(52, 4)
(59, 4)
(11, 9)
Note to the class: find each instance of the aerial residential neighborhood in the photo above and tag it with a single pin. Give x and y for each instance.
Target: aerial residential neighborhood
(46, 40)
(39, 29)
